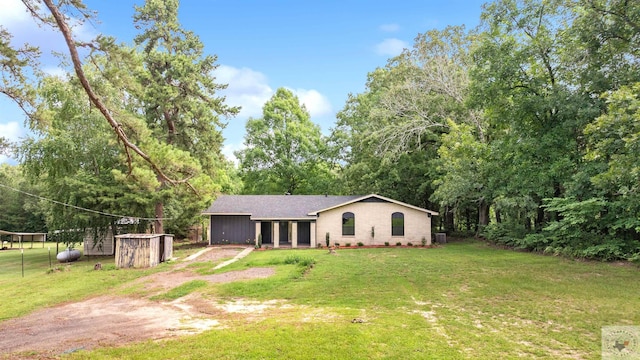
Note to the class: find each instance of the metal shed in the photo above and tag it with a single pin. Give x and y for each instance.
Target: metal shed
(143, 250)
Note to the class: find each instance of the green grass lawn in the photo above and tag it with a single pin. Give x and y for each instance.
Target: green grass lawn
(460, 301)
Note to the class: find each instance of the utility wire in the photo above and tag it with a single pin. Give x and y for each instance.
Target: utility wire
(81, 208)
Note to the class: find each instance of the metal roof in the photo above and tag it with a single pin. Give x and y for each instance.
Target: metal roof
(275, 206)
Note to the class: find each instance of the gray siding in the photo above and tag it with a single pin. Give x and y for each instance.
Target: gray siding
(232, 229)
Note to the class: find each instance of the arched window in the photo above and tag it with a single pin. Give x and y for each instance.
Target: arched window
(348, 224)
(397, 224)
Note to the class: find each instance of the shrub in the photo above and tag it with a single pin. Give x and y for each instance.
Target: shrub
(327, 239)
(386, 243)
(424, 241)
(360, 244)
(337, 244)
(299, 260)
(398, 243)
(409, 244)
(348, 244)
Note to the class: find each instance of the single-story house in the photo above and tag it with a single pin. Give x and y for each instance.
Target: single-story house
(307, 220)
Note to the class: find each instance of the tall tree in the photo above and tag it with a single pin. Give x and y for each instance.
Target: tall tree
(179, 98)
(285, 151)
(20, 213)
(75, 160)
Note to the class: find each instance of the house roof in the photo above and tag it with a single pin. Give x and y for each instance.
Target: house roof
(274, 207)
(386, 199)
(288, 207)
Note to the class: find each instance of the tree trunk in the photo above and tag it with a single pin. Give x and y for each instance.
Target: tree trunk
(448, 220)
(483, 215)
(498, 216)
(468, 216)
(158, 226)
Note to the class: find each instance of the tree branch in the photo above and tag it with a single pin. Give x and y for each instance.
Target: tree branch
(77, 65)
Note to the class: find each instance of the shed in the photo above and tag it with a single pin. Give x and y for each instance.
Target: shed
(101, 244)
(143, 250)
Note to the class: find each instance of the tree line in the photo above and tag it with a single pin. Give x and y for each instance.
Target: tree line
(523, 130)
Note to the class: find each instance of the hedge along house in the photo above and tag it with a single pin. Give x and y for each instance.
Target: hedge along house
(305, 220)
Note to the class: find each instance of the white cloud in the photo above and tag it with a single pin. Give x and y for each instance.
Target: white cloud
(13, 12)
(390, 27)
(11, 131)
(25, 29)
(247, 88)
(56, 72)
(391, 47)
(229, 149)
(314, 101)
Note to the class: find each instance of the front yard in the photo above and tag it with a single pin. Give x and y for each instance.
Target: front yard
(461, 300)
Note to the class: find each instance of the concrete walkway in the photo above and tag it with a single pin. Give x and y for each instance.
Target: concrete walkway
(242, 254)
(193, 256)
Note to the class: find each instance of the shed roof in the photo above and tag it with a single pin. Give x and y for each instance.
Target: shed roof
(274, 207)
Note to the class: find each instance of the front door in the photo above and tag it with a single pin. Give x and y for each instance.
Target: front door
(284, 232)
(265, 230)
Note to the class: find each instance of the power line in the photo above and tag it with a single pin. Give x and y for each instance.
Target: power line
(81, 208)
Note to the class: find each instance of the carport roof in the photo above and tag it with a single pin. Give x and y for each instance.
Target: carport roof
(275, 207)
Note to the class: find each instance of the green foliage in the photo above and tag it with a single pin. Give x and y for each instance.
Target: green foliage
(285, 151)
(181, 109)
(20, 213)
(360, 243)
(305, 261)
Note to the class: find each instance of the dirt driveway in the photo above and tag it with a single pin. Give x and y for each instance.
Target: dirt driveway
(116, 320)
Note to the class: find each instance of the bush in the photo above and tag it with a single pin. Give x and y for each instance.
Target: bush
(386, 243)
(348, 244)
(398, 243)
(336, 244)
(299, 260)
(424, 241)
(360, 244)
(409, 244)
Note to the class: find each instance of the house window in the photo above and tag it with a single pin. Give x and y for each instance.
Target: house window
(397, 224)
(348, 224)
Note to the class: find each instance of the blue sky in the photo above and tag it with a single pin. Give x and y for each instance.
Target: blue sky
(322, 50)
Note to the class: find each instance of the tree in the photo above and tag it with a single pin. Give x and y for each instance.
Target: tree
(75, 160)
(285, 151)
(20, 213)
(614, 138)
(390, 134)
(178, 95)
(463, 166)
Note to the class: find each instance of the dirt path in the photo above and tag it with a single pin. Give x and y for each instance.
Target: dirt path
(113, 320)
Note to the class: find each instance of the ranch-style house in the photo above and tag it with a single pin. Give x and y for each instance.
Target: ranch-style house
(307, 220)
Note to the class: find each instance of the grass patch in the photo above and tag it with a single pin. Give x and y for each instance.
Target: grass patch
(180, 291)
(457, 301)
